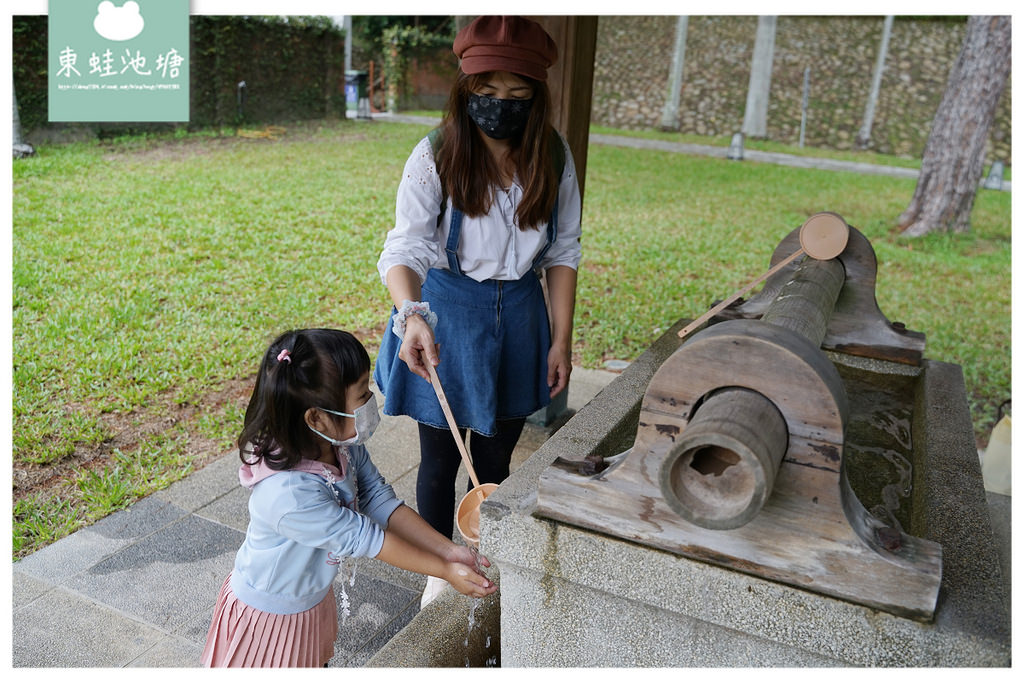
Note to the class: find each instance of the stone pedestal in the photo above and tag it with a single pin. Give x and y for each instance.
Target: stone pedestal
(574, 597)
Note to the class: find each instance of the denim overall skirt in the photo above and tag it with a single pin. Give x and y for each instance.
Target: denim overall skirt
(494, 338)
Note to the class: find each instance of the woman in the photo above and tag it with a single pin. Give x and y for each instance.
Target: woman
(475, 223)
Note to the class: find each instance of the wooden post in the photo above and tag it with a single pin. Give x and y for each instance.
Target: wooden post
(571, 81)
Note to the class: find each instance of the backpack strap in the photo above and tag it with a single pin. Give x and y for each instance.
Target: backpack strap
(552, 236)
(434, 137)
(557, 153)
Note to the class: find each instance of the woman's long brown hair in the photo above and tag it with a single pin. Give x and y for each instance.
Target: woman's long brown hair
(468, 171)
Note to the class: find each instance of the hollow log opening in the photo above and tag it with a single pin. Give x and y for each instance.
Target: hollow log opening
(723, 466)
(713, 460)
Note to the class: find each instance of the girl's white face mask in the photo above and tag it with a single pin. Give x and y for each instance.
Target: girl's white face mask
(367, 418)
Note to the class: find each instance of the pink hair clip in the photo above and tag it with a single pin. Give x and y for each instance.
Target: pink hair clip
(285, 355)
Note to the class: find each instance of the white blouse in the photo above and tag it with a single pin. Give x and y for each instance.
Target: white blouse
(490, 246)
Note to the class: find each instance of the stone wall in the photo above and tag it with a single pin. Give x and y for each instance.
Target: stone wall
(634, 56)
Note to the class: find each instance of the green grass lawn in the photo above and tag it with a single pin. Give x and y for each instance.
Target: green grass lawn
(149, 274)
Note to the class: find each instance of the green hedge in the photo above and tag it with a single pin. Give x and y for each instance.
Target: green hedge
(293, 70)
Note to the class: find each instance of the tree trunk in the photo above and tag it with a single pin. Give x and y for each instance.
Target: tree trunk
(16, 132)
(954, 156)
(21, 149)
(392, 83)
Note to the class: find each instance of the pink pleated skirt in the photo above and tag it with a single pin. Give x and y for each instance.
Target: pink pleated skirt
(242, 636)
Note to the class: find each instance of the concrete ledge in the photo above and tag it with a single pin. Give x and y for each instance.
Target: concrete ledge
(956, 511)
(584, 627)
(440, 635)
(546, 565)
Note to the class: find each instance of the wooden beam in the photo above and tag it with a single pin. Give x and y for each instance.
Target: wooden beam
(571, 81)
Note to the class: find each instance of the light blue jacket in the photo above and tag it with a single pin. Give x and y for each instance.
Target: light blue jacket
(303, 522)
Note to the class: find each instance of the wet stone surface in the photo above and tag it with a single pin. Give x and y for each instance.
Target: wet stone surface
(878, 452)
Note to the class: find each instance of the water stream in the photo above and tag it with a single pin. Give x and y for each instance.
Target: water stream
(473, 606)
(348, 572)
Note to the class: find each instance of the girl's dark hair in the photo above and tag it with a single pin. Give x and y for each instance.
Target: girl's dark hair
(321, 365)
(468, 171)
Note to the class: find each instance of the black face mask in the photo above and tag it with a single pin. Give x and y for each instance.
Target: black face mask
(499, 119)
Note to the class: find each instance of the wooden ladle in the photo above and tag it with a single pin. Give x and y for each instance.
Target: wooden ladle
(468, 512)
(823, 236)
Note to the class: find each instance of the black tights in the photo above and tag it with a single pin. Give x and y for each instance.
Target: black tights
(439, 465)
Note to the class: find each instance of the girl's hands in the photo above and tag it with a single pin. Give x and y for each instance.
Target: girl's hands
(410, 543)
(465, 579)
(468, 580)
(418, 346)
(465, 555)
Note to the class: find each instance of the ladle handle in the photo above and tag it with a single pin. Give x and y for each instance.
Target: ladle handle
(451, 422)
(736, 295)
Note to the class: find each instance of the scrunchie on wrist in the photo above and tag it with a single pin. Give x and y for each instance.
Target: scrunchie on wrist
(420, 308)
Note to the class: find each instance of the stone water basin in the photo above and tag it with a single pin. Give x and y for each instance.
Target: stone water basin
(573, 596)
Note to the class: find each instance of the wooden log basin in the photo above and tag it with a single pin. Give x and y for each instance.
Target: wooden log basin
(740, 451)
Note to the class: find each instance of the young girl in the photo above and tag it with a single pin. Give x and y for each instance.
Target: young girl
(316, 500)
(476, 219)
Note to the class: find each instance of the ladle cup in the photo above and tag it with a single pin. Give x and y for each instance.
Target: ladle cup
(468, 516)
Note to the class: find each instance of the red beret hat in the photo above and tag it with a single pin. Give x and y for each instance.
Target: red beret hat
(515, 44)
